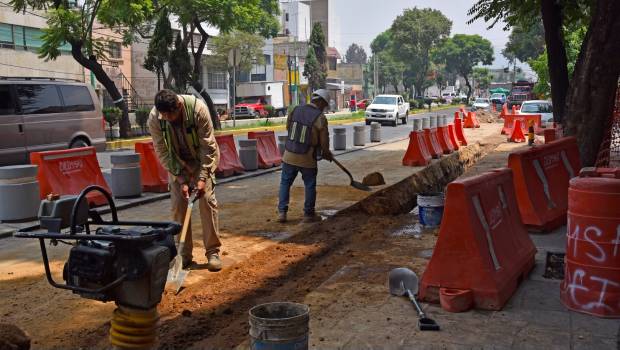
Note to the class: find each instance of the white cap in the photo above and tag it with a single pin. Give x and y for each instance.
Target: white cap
(320, 93)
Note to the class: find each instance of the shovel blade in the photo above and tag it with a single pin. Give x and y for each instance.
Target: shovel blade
(176, 275)
(360, 186)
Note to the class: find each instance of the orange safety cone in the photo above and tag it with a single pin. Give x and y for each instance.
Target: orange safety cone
(504, 110)
(458, 129)
(444, 136)
(471, 121)
(517, 132)
(430, 136)
(514, 109)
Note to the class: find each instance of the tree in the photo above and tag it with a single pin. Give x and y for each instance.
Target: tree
(318, 45)
(462, 53)
(356, 54)
(158, 53)
(74, 25)
(482, 77)
(181, 66)
(416, 32)
(252, 16)
(525, 42)
(313, 71)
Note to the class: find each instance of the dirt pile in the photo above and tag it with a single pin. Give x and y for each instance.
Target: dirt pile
(487, 117)
(373, 179)
(13, 338)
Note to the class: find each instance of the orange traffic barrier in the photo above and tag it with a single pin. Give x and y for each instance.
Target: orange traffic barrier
(517, 132)
(471, 121)
(550, 135)
(430, 136)
(504, 111)
(230, 164)
(592, 272)
(266, 148)
(443, 136)
(526, 120)
(483, 248)
(452, 135)
(154, 175)
(68, 172)
(514, 109)
(417, 153)
(541, 176)
(458, 129)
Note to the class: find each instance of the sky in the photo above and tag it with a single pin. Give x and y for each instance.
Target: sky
(360, 21)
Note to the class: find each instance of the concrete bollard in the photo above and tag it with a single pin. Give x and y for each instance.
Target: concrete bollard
(426, 123)
(441, 121)
(126, 179)
(340, 139)
(19, 192)
(282, 143)
(417, 124)
(433, 122)
(359, 135)
(375, 132)
(248, 155)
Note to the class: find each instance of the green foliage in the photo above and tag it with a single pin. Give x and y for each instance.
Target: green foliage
(356, 54)
(158, 53)
(270, 111)
(525, 43)
(142, 116)
(112, 115)
(416, 32)
(319, 43)
(249, 48)
(180, 65)
(313, 71)
(462, 52)
(482, 77)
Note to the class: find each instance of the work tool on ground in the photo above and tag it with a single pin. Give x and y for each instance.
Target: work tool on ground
(354, 184)
(177, 274)
(403, 281)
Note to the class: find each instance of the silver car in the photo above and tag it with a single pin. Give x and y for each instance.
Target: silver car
(44, 114)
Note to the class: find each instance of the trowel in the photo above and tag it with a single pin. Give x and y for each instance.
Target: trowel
(403, 281)
(354, 184)
(176, 275)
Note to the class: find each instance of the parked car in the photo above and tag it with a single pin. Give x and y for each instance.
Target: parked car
(542, 107)
(481, 103)
(387, 108)
(498, 98)
(39, 114)
(363, 104)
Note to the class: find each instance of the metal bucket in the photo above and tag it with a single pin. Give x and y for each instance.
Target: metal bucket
(279, 326)
(430, 209)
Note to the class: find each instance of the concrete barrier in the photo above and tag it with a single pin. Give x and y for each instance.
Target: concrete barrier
(126, 174)
(19, 192)
(340, 139)
(248, 154)
(375, 132)
(359, 135)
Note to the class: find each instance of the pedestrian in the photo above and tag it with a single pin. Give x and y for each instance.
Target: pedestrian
(307, 142)
(184, 140)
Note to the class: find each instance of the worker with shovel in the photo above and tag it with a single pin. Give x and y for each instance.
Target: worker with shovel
(307, 142)
(184, 140)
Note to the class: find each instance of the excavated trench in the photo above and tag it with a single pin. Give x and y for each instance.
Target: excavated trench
(214, 313)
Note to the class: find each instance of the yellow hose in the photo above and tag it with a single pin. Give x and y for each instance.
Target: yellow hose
(133, 328)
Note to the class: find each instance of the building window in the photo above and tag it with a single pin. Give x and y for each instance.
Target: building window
(332, 63)
(115, 50)
(268, 60)
(258, 73)
(286, 15)
(216, 80)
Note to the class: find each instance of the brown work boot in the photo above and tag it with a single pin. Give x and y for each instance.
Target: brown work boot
(311, 218)
(282, 217)
(214, 264)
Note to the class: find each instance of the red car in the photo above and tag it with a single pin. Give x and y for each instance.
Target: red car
(362, 104)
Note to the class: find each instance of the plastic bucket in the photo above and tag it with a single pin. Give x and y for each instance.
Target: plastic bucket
(430, 209)
(279, 326)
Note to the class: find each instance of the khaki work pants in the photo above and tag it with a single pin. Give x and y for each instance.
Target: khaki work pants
(208, 218)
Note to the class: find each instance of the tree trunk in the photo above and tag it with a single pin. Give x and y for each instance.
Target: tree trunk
(556, 56)
(468, 84)
(94, 66)
(197, 73)
(590, 101)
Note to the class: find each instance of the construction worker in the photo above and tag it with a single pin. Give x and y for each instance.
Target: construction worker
(184, 141)
(307, 142)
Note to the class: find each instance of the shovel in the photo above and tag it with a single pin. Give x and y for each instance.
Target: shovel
(355, 184)
(176, 275)
(403, 281)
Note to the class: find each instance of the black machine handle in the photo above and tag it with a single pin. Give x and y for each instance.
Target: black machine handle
(81, 197)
